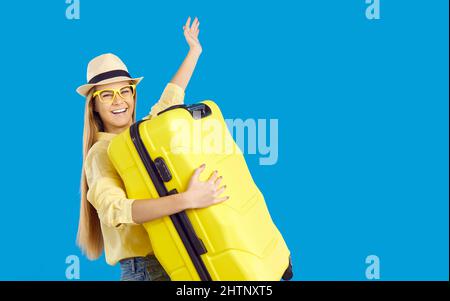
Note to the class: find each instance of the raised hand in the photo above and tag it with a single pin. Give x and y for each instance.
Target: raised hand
(191, 34)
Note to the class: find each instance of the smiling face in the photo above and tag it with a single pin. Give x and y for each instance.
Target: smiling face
(117, 115)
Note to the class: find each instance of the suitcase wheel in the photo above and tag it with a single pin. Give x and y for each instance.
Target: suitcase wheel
(288, 274)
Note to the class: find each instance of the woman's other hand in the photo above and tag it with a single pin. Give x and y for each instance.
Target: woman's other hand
(203, 194)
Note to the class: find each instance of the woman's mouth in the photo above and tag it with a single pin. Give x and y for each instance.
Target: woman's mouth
(119, 111)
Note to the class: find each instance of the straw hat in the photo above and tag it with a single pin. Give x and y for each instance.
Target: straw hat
(105, 69)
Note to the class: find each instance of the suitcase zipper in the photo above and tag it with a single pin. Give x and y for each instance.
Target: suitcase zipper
(194, 246)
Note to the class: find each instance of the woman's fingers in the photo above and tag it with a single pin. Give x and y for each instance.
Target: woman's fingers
(198, 171)
(195, 33)
(191, 28)
(196, 30)
(213, 177)
(220, 200)
(187, 35)
(195, 24)
(220, 190)
(191, 31)
(219, 179)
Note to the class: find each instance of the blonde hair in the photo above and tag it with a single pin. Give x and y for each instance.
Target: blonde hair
(89, 236)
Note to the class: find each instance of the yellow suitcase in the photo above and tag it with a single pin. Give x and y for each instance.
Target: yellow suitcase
(233, 240)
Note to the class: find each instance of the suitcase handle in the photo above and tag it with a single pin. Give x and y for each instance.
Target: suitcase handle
(197, 110)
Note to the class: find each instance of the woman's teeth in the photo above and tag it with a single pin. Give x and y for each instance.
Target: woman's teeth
(119, 111)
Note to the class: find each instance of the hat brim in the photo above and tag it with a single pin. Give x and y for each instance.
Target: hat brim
(84, 89)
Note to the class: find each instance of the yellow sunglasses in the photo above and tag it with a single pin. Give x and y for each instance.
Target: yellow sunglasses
(108, 95)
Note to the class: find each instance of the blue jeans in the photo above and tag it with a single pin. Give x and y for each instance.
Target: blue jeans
(145, 268)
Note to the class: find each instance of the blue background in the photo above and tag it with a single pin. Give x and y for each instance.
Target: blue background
(362, 108)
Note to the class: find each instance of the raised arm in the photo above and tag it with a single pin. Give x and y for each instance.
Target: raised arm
(184, 73)
(173, 94)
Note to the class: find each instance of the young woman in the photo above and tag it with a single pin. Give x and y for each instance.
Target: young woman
(108, 219)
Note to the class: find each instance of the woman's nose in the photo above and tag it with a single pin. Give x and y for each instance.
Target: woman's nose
(117, 100)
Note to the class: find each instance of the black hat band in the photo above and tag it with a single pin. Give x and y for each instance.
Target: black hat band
(108, 74)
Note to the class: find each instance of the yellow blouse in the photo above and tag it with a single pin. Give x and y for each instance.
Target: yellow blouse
(122, 237)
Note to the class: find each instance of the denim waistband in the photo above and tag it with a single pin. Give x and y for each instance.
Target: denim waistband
(135, 262)
(136, 259)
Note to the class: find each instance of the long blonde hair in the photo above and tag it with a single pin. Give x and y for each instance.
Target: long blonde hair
(89, 236)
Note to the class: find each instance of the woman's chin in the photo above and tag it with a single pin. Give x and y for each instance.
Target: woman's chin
(121, 122)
